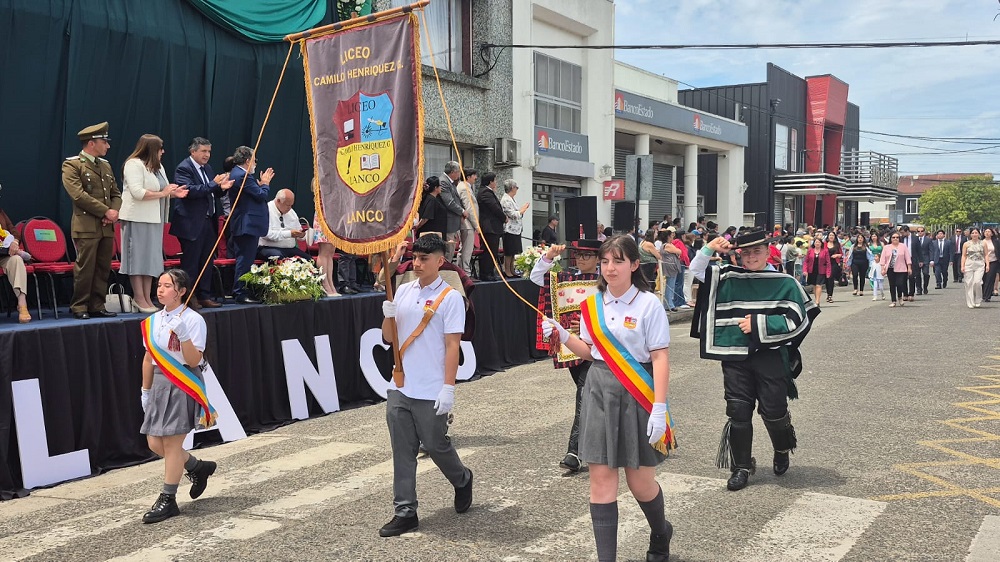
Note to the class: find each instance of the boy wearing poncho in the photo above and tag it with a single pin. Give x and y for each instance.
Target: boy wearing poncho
(752, 319)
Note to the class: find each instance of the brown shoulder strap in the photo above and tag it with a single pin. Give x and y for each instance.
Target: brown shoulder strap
(428, 314)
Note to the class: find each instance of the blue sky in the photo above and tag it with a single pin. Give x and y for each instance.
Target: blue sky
(935, 92)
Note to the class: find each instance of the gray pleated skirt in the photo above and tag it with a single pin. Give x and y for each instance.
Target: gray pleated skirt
(142, 248)
(613, 424)
(170, 411)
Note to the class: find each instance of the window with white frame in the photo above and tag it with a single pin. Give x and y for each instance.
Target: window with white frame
(913, 205)
(448, 29)
(558, 94)
(437, 154)
(780, 147)
(794, 142)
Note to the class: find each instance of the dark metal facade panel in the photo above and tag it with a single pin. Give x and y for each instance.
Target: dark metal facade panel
(754, 100)
(852, 135)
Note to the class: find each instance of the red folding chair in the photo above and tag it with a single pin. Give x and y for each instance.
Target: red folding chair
(171, 248)
(45, 241)
(116, 261)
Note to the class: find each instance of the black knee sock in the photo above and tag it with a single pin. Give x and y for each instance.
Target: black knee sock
(655, 515)
(604, 516)
(190, 463)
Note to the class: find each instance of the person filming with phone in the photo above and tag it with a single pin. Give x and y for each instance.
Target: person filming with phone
(284, 229)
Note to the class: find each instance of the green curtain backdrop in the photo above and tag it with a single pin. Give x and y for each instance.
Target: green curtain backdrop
(265, 21)
(146, 67)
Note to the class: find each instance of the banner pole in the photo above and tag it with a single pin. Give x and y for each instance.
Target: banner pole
(371, 18)
(397, 370)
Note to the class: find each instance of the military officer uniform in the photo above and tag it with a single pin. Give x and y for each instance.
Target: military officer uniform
(90, 183)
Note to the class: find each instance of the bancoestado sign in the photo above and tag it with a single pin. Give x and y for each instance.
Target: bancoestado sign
(677, 118)
(561, 144)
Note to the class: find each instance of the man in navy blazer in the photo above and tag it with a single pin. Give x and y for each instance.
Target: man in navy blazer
(960, 238)
(941, 251)
(248, 217)
(194, 220)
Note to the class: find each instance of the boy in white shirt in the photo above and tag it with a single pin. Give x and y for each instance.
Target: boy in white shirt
(417, 411)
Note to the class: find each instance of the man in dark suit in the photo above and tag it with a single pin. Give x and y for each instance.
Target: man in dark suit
(248, 215)
(491, 219)
(959, 239)
(194, 220)
(941, 252)
(922, 258)
(453, 202)
(91, 184)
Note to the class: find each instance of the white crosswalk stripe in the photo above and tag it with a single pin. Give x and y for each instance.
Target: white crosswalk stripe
(805, 526)
(266, 517)
(90, 487)
(986, 545)
(815, 527)
(30, 543)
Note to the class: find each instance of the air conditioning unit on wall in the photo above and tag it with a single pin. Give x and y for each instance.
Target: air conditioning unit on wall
(506, 152)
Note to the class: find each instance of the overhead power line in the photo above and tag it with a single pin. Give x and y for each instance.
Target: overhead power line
(738, 46)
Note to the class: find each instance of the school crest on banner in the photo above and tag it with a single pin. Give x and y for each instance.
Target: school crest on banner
(364, 92)
(366, 152)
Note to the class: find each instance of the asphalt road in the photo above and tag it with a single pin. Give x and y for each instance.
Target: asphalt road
(899, 458)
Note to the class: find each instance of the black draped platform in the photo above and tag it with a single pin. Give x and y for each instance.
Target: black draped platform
(89, 371)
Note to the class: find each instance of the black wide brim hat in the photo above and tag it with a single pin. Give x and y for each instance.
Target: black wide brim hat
(584, 245)
(755, 238)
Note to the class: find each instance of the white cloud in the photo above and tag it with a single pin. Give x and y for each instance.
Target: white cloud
(915, 91)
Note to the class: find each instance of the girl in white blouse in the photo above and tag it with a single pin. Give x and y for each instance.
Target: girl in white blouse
(616, 430)
(169, 414)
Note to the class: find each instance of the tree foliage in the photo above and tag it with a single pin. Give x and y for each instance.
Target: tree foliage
(966, 201)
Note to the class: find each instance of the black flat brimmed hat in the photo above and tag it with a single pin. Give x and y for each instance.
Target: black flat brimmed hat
(753, 238)
(584, 245)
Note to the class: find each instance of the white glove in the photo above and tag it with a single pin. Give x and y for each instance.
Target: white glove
(389, 309)
(657, 425)
(549, 324)
(178, 327)
(145, 399)
(445, 400)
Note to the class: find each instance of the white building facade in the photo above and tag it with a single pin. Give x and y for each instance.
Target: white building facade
(562, 111)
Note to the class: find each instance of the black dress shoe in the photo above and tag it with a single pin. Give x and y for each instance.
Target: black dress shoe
(103, 314)
(199, 477)
(463, 496)
(243, 299)
(571, 462)
(739, 479)
(209, 303)
(399, 525)
(659, 545)
(937, 286)
(349, 291)
(81, 316)
(781, 463)
(164, 508)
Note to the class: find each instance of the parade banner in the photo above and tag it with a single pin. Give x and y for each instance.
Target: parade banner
(366, 115)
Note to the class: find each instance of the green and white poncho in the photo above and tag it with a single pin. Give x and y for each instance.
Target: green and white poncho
(781, 314)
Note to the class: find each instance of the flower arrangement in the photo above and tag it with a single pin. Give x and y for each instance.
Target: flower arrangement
(285, 280)
(347, 9)
(525, 261)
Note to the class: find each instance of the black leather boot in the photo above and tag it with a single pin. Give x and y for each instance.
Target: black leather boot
(659, 545)
(164, 508)
(741, 445)
(199, 477)
(783, 439)
(571, 462)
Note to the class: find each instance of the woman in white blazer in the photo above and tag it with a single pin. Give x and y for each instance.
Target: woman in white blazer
(144, 210)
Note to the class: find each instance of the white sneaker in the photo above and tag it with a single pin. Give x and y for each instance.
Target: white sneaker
(875, 298)
(684, 307)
